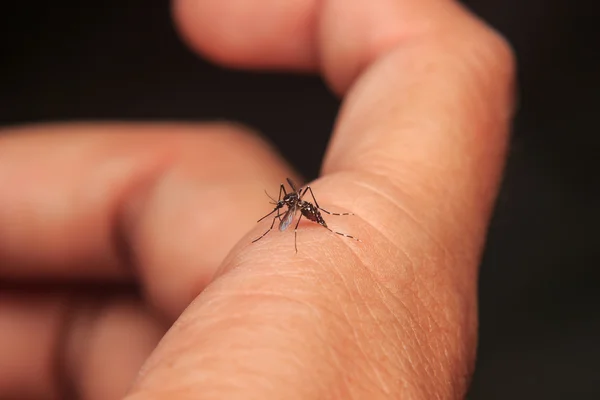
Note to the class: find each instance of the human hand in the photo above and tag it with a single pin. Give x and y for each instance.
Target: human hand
(416, 155)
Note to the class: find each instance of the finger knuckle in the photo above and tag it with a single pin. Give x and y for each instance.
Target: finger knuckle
(494, 51)
(500, 51)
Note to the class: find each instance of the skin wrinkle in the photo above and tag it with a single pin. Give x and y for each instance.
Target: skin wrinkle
(398, 205)
(340, 354)
(248, 296)
(408, 129)
(377, 168)
(365, 263)
(447, 257)
(444, 342)
(382, 289)
(184, 367)
(415, 333)
(348, 288)
(384, 332)
(359, 254)
(227, 382)
(346, 321)
(377, 128)
(374, 323)
(420, 190)
(373, 363)
(351, 326)
(412, 330)
(379, 161)
(275, 296)
(354, 332)
(256, 375)
(365, 182)
(324, 287)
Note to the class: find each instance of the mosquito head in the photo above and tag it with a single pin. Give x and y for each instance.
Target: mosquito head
(291, 199)
(278, 204)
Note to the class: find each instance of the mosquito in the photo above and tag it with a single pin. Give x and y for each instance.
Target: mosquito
(294, 203)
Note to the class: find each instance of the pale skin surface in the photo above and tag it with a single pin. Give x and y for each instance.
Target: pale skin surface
(417, 155)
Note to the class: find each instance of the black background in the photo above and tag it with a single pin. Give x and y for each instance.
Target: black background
(539, 297)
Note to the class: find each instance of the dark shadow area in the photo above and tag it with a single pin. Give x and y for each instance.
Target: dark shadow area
(540, 325)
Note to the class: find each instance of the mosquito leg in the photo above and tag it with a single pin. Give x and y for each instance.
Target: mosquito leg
(296, 233)
(291, 185)
(281, 189)
(308, 188)
(344, 234)
(275, 209)
(270, 228)
(279, 215)
(304, 192)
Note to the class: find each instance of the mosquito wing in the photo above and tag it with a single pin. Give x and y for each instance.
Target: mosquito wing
(287, 218)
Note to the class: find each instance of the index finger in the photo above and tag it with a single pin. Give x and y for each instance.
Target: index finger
(417, 154)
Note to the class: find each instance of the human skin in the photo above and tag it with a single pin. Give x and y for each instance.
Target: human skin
(417, 155)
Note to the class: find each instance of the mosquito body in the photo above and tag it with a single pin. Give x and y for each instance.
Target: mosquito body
(295, 203)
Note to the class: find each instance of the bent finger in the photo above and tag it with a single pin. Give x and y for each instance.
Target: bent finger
(417, 154)
(84, 201)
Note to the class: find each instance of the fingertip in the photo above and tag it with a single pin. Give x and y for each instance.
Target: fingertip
(250, 34)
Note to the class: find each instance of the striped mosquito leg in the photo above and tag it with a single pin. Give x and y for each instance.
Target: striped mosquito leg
(332, 213)
(296, 233)
(270, 228)
(344, 235)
